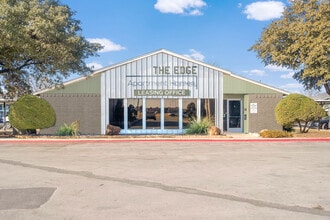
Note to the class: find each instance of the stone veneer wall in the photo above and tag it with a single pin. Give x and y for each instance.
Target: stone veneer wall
(265, 118)
(70, 107)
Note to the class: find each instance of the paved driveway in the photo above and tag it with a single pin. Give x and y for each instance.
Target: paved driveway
(165, 180)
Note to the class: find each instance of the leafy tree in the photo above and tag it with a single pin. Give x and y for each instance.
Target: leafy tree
(297, 108)
(30, 112)
(40, 44)
(300, 41)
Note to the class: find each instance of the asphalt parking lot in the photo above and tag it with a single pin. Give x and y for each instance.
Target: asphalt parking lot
(165, 180)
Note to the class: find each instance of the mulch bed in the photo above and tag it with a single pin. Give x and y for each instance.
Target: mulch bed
(313, 134)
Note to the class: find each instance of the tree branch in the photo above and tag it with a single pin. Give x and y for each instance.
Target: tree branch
(2, 71)
(28, 62)
(327, 88)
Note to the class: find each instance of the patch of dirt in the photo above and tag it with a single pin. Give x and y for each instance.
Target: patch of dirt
(313, 133)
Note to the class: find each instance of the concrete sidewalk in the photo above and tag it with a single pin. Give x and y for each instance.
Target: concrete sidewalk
(229, 137)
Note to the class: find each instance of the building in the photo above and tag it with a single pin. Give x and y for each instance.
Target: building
(4, 109)
(159, 93)
(324, 100)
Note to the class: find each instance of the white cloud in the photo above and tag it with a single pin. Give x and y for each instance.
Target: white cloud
(196, 55)
(292, 87)
(195, 12)
(272, 68)
(264, 10)
(191, 7)
(94, 65)
(287, 76)
(275, 68)
(107, 44)
(255, 72)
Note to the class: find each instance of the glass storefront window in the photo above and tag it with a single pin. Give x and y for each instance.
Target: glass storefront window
(153, 113)
(134, 113)
(171, 113)
(116, 112)
(156, 110)
(208, 109)
(189, 111)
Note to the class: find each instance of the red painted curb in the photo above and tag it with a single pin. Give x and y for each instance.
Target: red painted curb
(123, 140)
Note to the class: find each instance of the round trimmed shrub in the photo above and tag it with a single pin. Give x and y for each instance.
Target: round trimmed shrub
(297, 108)
(30, 112)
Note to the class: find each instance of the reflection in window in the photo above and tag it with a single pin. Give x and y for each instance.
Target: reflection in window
(134, 113)
(153, 113)
(225, 115)
(189, 111)
(208, 109)
(171, 111)
(116, 112)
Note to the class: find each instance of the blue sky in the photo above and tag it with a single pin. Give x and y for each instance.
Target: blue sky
(217, 32)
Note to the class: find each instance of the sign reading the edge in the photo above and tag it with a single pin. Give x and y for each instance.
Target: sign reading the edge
(175, 70)
(162, 92)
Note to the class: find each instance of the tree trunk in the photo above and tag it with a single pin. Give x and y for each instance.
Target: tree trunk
(327, 88)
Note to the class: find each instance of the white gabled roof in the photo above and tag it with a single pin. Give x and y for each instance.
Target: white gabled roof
(99, 71)
(157, 52)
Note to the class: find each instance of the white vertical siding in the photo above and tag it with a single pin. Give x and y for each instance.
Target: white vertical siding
(141, 75)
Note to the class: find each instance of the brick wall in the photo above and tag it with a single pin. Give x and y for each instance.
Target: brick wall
(70, 107)
(265, 116)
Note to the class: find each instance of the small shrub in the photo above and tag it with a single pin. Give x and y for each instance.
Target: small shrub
(69, 130)
(64, 130)
(199, 127)
(274, 134)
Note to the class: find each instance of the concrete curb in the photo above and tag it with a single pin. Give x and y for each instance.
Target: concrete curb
(121, 140)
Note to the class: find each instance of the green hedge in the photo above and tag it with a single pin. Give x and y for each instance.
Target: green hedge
(299, 109)
(30, 112)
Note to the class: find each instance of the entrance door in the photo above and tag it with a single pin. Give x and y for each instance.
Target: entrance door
(232, 115)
